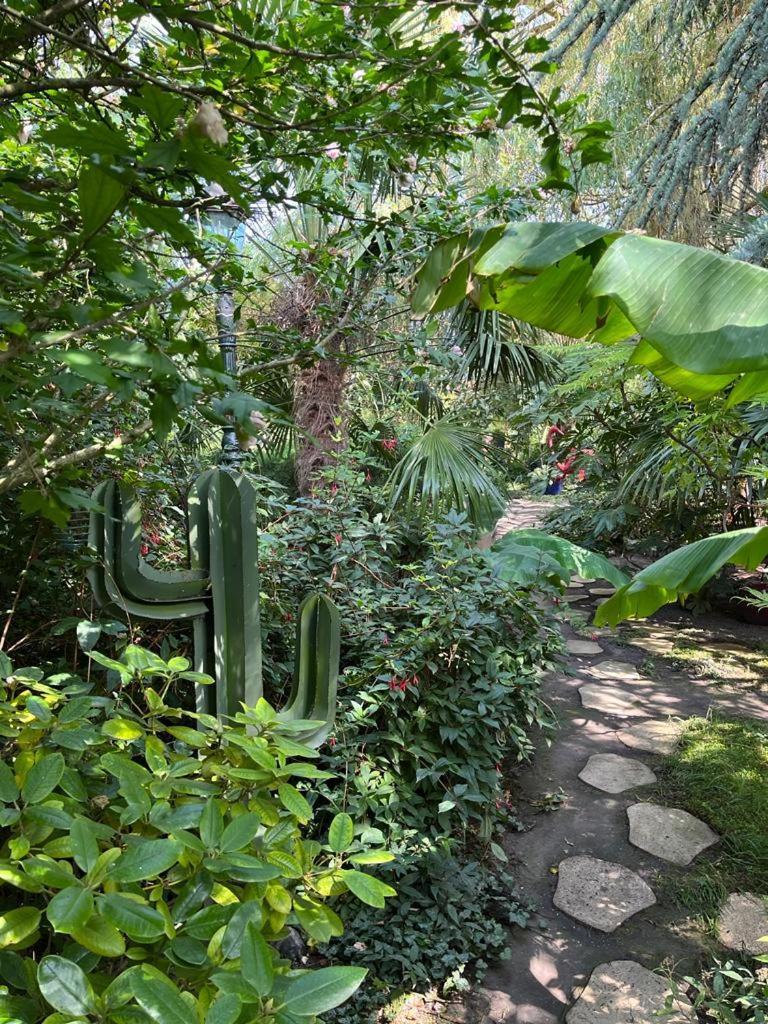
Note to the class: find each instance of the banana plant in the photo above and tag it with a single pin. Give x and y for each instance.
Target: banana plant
(219, 594)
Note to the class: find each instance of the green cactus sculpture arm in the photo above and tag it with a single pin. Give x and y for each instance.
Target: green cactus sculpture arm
(316, 673)
(105, 574)
(234, 570)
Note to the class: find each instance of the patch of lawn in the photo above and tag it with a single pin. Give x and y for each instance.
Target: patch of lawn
(720, 773)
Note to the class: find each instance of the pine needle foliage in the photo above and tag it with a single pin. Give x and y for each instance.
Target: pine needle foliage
(713, 138)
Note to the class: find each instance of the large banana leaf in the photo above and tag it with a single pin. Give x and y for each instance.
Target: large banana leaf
(698, 312)
(683, 572)
(525, 556)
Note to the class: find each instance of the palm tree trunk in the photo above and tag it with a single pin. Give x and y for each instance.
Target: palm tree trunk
(317, 410)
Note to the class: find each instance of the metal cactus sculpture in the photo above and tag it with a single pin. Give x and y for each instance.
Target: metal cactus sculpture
(219, 593)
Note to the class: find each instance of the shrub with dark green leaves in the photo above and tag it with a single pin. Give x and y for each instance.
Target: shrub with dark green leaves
(152, 858)
(441, 660)
(449, 917)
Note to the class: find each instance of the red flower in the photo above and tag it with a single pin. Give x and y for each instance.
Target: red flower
(368, 477)
(552, 433)
(144, 549)
(331, 741)
(385, 639)
(118, 432)
(389, 444)
(337, 538)
(154, 537)
(334, 489)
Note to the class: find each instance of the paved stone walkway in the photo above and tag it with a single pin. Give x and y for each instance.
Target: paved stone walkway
(592, 867)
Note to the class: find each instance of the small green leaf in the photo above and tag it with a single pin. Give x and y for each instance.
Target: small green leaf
(239, 833)
(88, 634)
(148, 858)
(341, 833)
(211, 824)
(42, 778)
(17, 925)
(70, 909)
(367, 888)
(372, 857)
(231, 943)
(294, 802)
(85, 848)
(98, 195)
(225, 1009)
(158, 997)
(65, 987)
(256, 961)
(132, 915)
(322, 990)
(100, 937)
(122, 729)
(9, 791)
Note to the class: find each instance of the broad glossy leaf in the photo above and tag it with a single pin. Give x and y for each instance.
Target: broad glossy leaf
(367, 888)
(70, 909)
(64, 985)
(18, 925)
(683, 572)
(99, 195)
(568, 559)
(703, 311)
(134, 916)
(294, 802)
(158, 997)
(42, 778)
(247, 913)
(100, 936)
(256, 961)
(319, 991)
(85, 847)
(341, 833)
(147, 858)
(239, 833)
(9, 791)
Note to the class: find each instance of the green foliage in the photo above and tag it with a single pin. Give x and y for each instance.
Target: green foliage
(730, 992)
(122, 142)
(160, 862)
(450, 917)
(683, 572)
(701, 316)
(440, 658)
(525, 556)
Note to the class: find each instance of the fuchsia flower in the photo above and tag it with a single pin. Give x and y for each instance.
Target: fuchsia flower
(389, 444)
(337, 538)
(144, 549)
(334, 489)
(331, 741)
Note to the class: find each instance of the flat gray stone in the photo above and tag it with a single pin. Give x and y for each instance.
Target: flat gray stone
(624, 992)
(611, 700)
(743, 922)
(574, 584)
(656, 737)
(578, 596)
(614, 670)
(602, 591)
(600, 893)
(574, 646)
(613, 773)
(668, 832)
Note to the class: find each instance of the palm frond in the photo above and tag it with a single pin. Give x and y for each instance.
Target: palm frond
(448, 466)
(495, 349)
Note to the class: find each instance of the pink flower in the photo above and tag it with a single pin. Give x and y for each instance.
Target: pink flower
(332, 152)
(331, 741)
(385, 639)
(389, 444)
(334, 489)
(144, 549)
(337, 538)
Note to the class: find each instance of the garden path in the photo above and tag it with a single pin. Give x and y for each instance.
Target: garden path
(552, 960)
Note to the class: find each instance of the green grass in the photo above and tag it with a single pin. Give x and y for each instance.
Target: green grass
(720, 773)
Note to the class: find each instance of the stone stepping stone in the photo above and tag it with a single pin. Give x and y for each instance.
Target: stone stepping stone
(574, 584)
(743, 922)
(614, 670)
(613, 773)
(581, 580)
(668, 832)
(655, 737)
(602, 591)
(600, 893)
(611, 700)
(574, 646)
(578, 596)
(624, 992)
